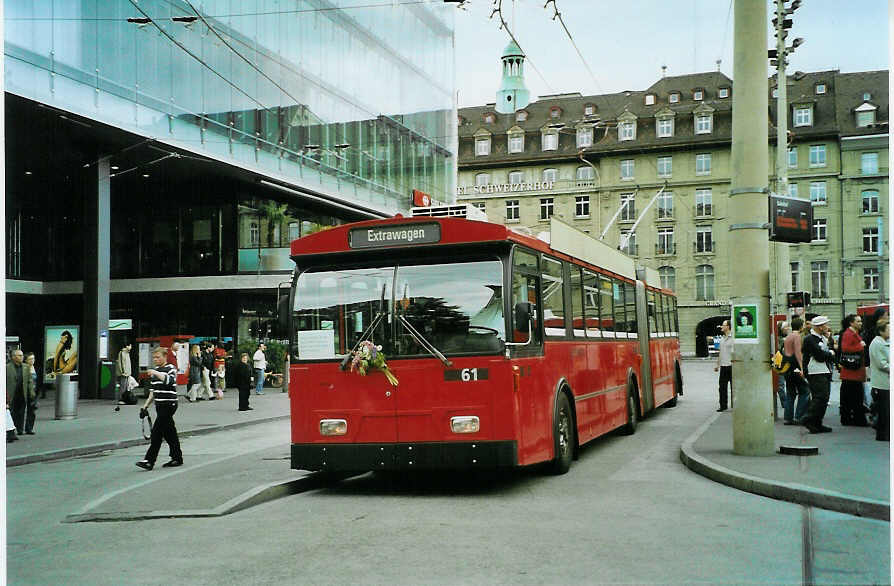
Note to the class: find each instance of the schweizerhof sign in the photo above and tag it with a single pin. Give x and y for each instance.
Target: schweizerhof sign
(504, 188)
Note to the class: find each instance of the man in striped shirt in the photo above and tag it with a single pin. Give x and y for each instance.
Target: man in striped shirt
(163, 392)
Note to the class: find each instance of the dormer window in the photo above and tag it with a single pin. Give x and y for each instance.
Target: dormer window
(650, 99)
(820, 89)
(584, 136)
(589, 110)
(550, 140)
(703, 123)
(803, 115)
(516, 140)
(664, 123)
(521, 116)
(555, 112)
(627, 131)
(489, 118)
(482, 146)
(673, 97)
(865, 114)
(698, 95)
(867, 96)
(723, 92)
(775, 93)
(460, 120)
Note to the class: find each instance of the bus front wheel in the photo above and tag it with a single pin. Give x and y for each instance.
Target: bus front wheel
(630, 427)
(563, 436)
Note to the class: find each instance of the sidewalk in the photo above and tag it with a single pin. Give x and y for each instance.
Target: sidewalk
(98, 427)
(851, 473)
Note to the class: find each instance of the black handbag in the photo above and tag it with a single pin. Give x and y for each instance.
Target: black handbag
(851, 360)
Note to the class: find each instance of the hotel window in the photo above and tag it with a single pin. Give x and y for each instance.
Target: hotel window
(870, 240)
(666, 205)
(488, 118)
(820, 88)
(870, 201)
(482, 147)
(589, 109)
(585, 136)
(650, 99)
(521, 116)
(704, 283)
(803, 116)
(698, 95)
(254, 234)
(704, 241)
(867, 96)
(512, 209)
(673, 97)
(818, 193)
(792, 157)
(627, 170)
(793, 189)
(819, 276)
(795, 268)
(627, 131)
(550, 174)
(628, 207)
(585, 173)
(478, 205)
(550, 141)
(870, 279)
(668, 276)
(723, 92)
(818, 155)
(546, 208)
(665, 166)
(665, 127)
(629, 245)
(703, 205)
(819, 230)
(482, 179)
(703, 123)
(865, 118)
(515, 177)
(582, 206)
(869, 163)
(516, 142)
(665, 241)
(703, 164)
(555, 112)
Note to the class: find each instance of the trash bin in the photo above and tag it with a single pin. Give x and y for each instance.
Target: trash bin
(66, 396)
(106, 380)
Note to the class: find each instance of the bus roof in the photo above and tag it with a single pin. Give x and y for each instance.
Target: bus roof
(408, 232)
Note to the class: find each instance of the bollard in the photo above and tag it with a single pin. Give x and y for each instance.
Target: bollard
(66, 396)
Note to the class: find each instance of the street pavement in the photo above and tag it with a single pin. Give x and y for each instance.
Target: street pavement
(850, 474)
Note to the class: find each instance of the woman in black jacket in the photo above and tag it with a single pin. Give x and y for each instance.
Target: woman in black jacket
(195, 373)
(243, 381)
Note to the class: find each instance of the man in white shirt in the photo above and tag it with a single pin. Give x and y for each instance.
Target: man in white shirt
(260, 365)
(725, 363)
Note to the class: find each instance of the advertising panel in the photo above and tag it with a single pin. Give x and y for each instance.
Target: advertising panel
(745, 325)
(60, 353)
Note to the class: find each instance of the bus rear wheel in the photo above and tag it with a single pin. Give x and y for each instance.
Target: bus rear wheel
(630, 427)
(563, 436)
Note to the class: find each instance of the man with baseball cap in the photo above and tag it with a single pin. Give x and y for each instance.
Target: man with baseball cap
(819, 357)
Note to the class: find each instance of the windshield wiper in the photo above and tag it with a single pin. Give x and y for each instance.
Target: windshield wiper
(366, 334)
(423, 342)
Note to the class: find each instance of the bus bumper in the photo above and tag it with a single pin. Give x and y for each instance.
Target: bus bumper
(404, 456)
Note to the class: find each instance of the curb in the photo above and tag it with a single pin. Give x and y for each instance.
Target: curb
(783, 491)
(104, 447)
(255, 496)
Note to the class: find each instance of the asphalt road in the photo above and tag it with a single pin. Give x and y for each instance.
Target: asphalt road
(628, 512)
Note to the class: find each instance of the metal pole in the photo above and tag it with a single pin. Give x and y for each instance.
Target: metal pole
(881, 263)
(753, 412)
(783, 277)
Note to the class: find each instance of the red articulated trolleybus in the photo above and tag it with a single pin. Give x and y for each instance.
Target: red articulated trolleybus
(500, 349)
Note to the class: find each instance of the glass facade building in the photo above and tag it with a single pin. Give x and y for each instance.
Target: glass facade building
(230, 127)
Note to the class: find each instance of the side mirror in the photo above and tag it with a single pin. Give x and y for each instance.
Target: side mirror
(283, 309)
(522, 315)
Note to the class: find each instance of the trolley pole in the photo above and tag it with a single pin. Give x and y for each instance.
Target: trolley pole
(753, 412)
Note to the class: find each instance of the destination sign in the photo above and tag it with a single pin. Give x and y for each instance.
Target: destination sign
(385, 236)
(791, 219)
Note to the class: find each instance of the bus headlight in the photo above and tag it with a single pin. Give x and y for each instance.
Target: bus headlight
(333, 427)
(465, 424)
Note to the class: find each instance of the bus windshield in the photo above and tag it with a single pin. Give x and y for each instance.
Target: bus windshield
(455, 307)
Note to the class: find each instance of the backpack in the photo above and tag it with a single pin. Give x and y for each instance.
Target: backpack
(780, 363)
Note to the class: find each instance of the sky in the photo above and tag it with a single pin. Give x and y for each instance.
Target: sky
(625, 42)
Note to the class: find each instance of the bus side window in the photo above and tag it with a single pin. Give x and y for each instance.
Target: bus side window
(525, 286)
(630, 303)
(606, 309)
(592, 300)
(653, 317)
(620, 314)
(577, 302)
(553, 298)
(676, 318)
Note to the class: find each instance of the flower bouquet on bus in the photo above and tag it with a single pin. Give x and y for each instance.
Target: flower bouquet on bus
(369, 356)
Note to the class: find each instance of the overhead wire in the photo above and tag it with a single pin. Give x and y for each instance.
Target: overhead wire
(558, 15)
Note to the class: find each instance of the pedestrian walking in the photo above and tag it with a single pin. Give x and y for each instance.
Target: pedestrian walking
(19, 382)
(122, 371)
(260, 366)
(782, 331)
(853, 372)
(796, 388)
(819, 355)
(207, 365)
(880, 375)
(243, 381)
(195, 373)
(725, 364)
(31, 404)
(162, 392)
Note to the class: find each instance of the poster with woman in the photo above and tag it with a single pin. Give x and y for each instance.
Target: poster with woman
(60, 351)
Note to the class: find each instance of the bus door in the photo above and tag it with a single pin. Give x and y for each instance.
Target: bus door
(645, 331)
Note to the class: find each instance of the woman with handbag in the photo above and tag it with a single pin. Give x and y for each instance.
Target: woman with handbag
(853, 372)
